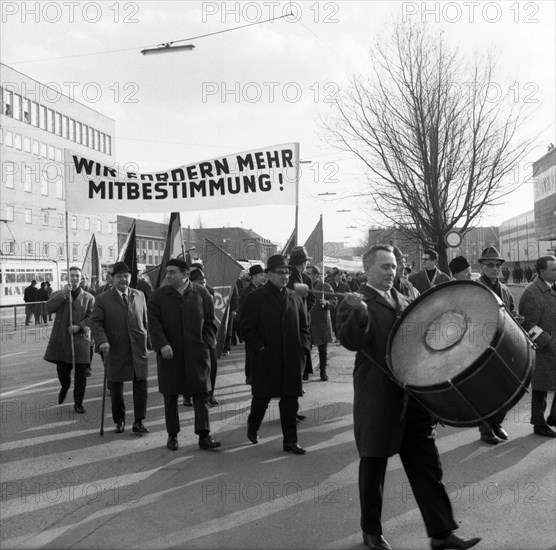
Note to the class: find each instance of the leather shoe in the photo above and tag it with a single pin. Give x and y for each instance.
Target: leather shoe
(499, 431)
(120, 427)
(453, 541)
(252, 434)
(79, 409)
(139, 428)
(294, 448)
(172, 443)
(376, 542)
(187, 402)
(324, 377)
(207, 443)
(62, 396)
(301, 417)
(212, 401)
(544, 430)
(489, 438)
(305, 377)
(550, 422)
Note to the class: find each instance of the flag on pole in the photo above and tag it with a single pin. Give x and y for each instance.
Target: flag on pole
(290, 243)
(172, 250)
(222, 273)
(91, 264)
(315, 244)
(128, 254)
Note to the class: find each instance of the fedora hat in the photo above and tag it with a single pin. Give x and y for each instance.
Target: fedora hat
(398, 253)
(120, 267)
(276, 262)
(490, 253)
(298, 255)
(255, 270)
(180, 264)
(197, 274)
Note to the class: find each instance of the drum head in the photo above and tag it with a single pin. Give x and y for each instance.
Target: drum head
(443, 333)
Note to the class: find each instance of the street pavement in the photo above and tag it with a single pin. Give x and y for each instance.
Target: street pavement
(65, 486)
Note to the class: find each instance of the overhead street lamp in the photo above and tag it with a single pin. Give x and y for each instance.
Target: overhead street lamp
(166, 48)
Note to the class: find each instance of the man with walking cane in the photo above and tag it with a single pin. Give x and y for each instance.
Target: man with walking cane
(70, 338)
(119, 323)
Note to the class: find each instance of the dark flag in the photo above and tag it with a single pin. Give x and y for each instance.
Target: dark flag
(315, 244)
(173, 249)
(291, 242)
(91, 264)
(128, 254)
(222, 273)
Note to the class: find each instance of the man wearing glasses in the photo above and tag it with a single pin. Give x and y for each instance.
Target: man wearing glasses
(491, 268)
(430, 275)
(274, 326)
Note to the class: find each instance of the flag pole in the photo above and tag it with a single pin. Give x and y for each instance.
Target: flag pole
(297, 165)
(322, 262)
(70, 295)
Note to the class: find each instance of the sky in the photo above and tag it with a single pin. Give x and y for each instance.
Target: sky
(266, 83)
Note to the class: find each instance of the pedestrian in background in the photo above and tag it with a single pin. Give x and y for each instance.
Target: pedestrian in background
(460, 269)
(321, 324)
(182, 326)
(30, 296)
(430, 275)
(42, 296)
(274, 326)
(119, 324)
(538, 306)
(388, 421)
(59, 348)
(491, 265)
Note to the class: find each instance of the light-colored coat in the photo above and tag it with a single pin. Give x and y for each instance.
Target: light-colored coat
(59, 345)
(538, 305)
(186, 323)
(125, 329)
(378, 402)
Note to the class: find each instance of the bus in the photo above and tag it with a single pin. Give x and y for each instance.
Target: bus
(16, 275)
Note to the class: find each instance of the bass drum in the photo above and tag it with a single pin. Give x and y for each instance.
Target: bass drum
(459, 351)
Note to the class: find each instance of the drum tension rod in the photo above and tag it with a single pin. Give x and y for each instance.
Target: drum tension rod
(509, 370)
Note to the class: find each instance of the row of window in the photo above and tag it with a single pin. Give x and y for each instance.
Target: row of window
(45, 219)
(25, 143)
(34, 114)
(48, 249)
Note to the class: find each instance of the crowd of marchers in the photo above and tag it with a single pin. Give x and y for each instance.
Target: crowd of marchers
(280, 311)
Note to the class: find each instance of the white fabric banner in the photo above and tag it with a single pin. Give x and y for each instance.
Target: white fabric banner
(253, 178)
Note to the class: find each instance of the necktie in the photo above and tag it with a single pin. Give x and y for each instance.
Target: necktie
(390, 299)
(124, 298)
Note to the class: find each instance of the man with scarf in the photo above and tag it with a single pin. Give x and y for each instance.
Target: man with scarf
(491, 268)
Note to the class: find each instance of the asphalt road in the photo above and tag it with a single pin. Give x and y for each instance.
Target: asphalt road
(65, 486)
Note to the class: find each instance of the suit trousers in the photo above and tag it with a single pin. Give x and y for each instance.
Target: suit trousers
(213, 369)
(288, 406)
(139, 400)
(64, 375)
(200, 408)
(422, 466)
(538, 408)
(486, 427)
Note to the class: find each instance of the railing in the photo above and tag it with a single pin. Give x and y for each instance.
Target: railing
(17, 317)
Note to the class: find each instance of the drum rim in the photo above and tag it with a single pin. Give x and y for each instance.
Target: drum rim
(401, 316)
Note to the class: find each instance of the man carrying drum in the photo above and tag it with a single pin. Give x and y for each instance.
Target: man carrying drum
(387, 420)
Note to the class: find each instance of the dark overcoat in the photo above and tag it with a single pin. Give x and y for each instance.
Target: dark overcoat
(538, 305)
(378, 402)
(421, 282)
(321, 323)
(59, 345)
(277, 339)
(187, 324)
(125, 329)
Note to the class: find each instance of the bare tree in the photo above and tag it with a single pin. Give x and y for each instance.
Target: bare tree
(439, 147)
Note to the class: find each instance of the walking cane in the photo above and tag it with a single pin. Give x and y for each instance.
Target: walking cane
(105, 363)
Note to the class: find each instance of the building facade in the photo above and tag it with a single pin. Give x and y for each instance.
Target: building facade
(37, 123)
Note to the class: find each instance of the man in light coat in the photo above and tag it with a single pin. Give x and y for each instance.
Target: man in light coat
(387, 420)
(119, 324)
(59, 349)
(276, 333)
(538, 305)
(182, 327)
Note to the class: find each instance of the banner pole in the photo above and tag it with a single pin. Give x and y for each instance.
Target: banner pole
(322, 262)
(298, 164)
(70, 296)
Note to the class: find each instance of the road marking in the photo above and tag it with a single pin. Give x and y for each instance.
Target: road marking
(10, 354)
(24, 388)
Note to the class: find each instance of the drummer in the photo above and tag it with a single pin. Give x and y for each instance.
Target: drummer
(491, 269)
(387, 421)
